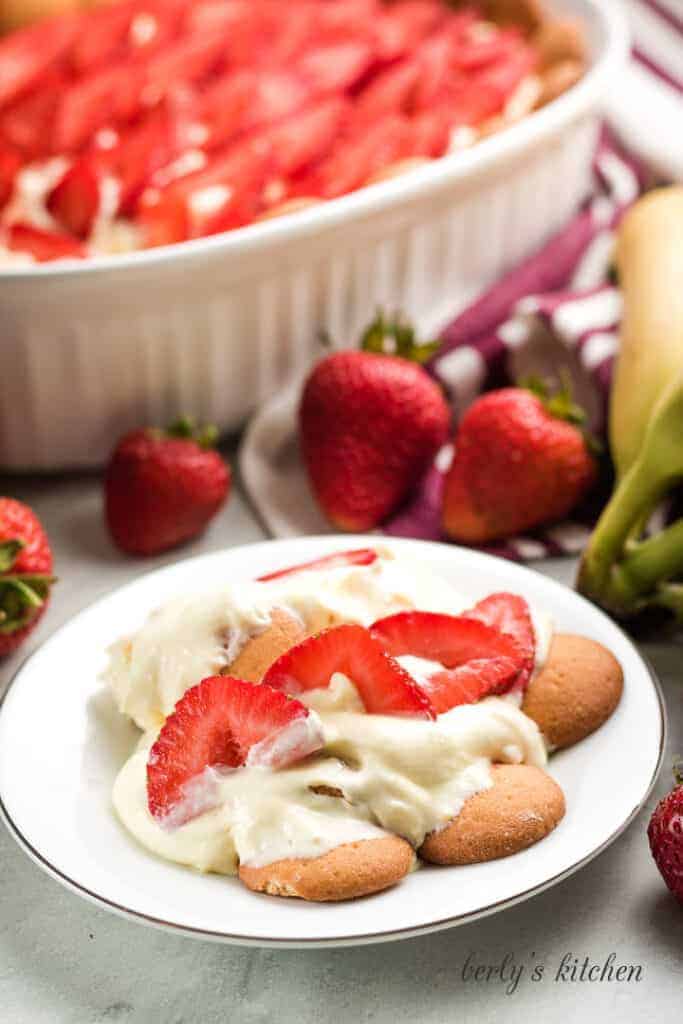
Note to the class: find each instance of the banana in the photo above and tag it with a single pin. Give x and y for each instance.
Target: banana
(650, 265)
(621, 570)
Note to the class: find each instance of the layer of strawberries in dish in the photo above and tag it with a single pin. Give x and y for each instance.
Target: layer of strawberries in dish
(150, 122)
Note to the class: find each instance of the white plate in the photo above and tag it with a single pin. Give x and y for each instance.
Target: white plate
(62, 742)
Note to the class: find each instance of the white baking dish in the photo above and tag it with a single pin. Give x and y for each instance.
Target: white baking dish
(213, 327)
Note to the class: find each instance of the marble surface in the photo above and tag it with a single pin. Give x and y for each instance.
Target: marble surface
(63, 960)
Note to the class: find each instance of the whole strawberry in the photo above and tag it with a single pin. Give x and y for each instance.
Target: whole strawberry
(163, 487)
(25, 573)
(521, 460)
(370, 425)
(665, 833)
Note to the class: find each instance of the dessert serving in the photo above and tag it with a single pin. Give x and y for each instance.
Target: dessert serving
(151, 122)
(321, 730)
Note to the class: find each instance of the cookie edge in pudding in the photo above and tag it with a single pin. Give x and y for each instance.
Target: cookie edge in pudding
(577, 689)
(344, 873)
(262, 649)
(523, 806)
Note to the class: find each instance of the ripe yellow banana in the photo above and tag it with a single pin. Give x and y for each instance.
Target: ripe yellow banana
(620, 570)
(650, 264)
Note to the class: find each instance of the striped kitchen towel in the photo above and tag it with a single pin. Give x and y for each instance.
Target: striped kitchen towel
(556, 313)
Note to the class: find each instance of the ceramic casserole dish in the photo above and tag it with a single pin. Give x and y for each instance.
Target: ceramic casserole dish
(213, 327)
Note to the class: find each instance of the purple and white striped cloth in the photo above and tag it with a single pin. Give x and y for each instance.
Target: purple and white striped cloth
(556, 313)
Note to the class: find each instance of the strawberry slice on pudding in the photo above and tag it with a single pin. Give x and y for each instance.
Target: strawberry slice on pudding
(452, 640)
(478, 660)
(361, 556)
(223, 723)
(483, 677)
(383, 686)
(511, 615)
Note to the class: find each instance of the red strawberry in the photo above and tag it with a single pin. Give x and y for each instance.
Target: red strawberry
(222, 723)
(225, 194)
(370, 427)
(10, 165)
(390, 92)
(665, 833)
(337, 67)
(469, 683)
(163, 488)
(362, 556)
(358, 156)
(75, 200)
(26, 56)
(384, 687)
(520, 461)
(307, 136)
(510, 614)
(452, 640)
(25, 573)
(44, 246)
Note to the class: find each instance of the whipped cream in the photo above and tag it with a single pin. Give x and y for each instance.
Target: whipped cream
(398, 775)
(374, 774)
(197, 635)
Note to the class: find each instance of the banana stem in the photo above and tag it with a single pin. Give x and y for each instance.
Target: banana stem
(656, 559)
(615, 571)
(636, 495)
(670, 595)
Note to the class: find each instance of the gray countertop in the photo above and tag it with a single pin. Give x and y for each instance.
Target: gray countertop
(63, 960)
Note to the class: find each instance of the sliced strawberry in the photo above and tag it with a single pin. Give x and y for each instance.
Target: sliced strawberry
(156, 25)
(244, 101)
(165, 221)
(28, 55)
(295, 30)
(187, 60)
(390, 92)
(307, 136)
(222, 723)
(384, 687)
(435, 70)
(476, 49)
(102, 37)
(277, 94)
(28, 122)
(429, 134)
(358, 157)
(470, 101)
(151, 147)
(362, 556)
(487, 677)
(503, 77)
(225, 194)
(347, 20)
(225, 103)
(94, 101)
(75, 200)
(240, 23)
(43, 245)
(396, 31)
(10, 164)
(336, 67)
(452, 640)
(510, 614)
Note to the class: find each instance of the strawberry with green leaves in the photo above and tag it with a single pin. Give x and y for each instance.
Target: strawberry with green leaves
(25, 573)
(163, 487)
(521, 460)
(665, 833)
(370, 426)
